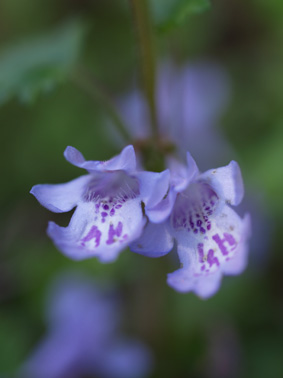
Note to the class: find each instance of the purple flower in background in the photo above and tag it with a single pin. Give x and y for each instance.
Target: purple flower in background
(211, 237)
(109, 201)
(83, 338)
(190, 102)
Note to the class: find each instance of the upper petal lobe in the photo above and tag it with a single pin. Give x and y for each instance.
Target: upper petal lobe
(125, 161)
(227, 182)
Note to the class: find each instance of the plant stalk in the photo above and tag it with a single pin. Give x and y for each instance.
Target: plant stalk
(144, 30)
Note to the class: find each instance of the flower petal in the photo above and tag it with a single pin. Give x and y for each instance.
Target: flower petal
(205, 256)
(192, 167)
(179, 174)
(153, 186)
(125, 161)
(239, 262)
(184, 280)
(227, 182)
(162, 210)
(61, 197)
(156, 241)
(101, 229)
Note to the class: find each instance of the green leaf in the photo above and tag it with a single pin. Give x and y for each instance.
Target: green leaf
(38, 64)
(168, 14)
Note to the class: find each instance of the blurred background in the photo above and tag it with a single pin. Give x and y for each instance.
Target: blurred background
(44, 108)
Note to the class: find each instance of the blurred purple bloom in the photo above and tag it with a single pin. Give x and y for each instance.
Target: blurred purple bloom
(211, 237)
(109, 213)
(190, 101)
(83, 338)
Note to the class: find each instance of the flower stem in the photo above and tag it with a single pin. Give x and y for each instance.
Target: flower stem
(144, 32)
(85, 81)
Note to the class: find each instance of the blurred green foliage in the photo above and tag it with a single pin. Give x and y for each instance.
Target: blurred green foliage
(37, 64)
(184, 332)
(168, 14)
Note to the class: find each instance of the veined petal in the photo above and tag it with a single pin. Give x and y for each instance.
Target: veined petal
(179, 174)
(61, 197)
(226, 181)
(99, 229)
(206, 256)
(125, 161)
(155, 241)
(162, 210)
(153, 186)
(192, 167)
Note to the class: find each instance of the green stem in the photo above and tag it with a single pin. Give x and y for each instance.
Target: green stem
(144, 32)
(85, 81)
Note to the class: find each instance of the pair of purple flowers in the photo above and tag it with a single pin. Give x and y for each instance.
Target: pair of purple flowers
(118, 206)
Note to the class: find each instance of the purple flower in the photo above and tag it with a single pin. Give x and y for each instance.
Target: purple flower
(110, 200)
(83, 337)
(190, 101)
(211, 238)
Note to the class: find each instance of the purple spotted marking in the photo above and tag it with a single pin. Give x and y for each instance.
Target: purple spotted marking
(112, 212)
(94, 233)
(193, 210)
(114, 232)
(104, 214)
(211, 259)
(228, 238)
(106, 207)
